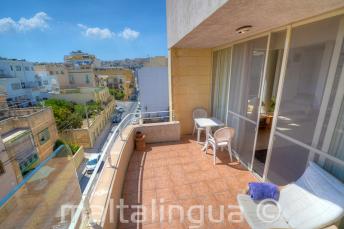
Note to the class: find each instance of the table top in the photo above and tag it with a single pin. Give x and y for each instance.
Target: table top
(208, 122)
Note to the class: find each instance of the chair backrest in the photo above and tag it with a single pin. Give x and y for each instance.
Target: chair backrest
(224, 134)
(315, 200)
(199, 112)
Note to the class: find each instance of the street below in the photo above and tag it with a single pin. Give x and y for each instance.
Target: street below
(129, 107)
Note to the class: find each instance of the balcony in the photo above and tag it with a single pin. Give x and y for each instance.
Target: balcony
(171, 173)
(181, 174)
(172, 169)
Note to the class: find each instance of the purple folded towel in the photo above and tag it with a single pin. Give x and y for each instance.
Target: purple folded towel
(261, 191)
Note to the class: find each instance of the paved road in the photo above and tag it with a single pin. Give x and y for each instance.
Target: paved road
(129, 107)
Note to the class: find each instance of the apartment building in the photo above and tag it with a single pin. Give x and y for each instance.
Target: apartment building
(249, 68)
(53, 75)
(18, 78)
(39, 121)
(117, 78)
(27, 137)
(80, 67)
(79, 58)
(153, 88)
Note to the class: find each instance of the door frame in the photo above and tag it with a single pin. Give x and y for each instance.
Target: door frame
(260, 98)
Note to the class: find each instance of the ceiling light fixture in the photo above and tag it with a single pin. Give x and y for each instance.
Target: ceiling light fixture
(243, 29)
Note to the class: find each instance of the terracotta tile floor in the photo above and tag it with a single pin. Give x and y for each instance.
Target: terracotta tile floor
(181, 174)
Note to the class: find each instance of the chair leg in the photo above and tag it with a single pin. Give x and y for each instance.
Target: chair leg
(194, 129)
(230, 151)
(198, 135)
(214, 152)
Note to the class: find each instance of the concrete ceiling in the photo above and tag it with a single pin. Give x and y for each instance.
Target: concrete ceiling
(219, 28)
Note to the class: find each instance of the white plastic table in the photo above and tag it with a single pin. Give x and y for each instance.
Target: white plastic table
(208, 123)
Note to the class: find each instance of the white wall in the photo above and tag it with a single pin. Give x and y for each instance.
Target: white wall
(184, 15)
(19, 71)
(153, 88)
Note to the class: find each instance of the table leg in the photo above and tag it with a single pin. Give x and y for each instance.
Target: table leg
(207, 131)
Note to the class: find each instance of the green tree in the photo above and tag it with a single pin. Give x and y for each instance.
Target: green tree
(118, 94)
(65, 114)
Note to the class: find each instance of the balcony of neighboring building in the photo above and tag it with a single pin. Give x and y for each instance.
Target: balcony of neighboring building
(21, 150)
(40, 121)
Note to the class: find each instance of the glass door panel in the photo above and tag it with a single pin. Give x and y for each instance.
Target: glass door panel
(310, 55)
(246, 76)
(243, 141)
(288, 161)
(269, 93)
(308, 63)
(247, 68)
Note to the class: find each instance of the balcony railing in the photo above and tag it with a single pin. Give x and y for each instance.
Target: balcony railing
(50, 194)
(82, 214)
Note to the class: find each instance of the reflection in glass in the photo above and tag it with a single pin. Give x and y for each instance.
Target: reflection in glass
(306, 75)
(288, 162)
(269, 92)
(246, 75)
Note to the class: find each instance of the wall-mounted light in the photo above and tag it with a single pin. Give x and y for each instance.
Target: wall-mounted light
(243, 29)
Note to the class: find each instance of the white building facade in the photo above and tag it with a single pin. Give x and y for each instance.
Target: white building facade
(18, 79)
(153, 88)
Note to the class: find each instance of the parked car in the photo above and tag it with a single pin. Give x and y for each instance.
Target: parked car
(120, 109)
(117, 118)
(92, 163)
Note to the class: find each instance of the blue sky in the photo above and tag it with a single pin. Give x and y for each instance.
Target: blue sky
(46, 30)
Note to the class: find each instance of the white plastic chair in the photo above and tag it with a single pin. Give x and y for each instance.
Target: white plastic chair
(315, 200)
(198, 112)
(222, 137)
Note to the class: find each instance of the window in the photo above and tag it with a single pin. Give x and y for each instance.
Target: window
(51, 73)
(62, 72)
(2, 168)
(11, 67)
(27, 68)
(31, 68)
(71, 79)
(18, 68)
(45, 82)
(16, 86)
(44, 136)
(56, 72)
(87, 79)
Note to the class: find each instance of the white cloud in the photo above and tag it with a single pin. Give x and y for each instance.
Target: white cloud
(129, 34)
(96, 32)
(38, 21)
(6, 24)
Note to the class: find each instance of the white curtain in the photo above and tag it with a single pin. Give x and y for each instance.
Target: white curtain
(221, 69)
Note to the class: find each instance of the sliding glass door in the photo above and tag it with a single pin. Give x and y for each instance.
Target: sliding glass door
(309, 83)
(287, 106)
(268, 95)
(247, 69)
